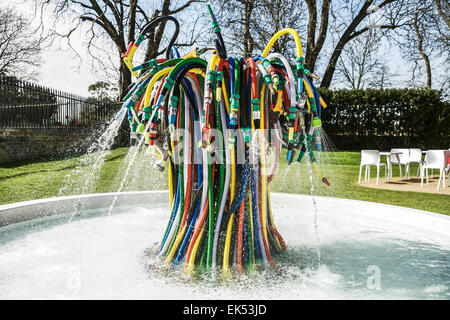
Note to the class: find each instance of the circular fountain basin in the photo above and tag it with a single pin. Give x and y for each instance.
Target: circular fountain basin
(337, 249)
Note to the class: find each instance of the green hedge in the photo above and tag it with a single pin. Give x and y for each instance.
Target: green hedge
(385, 119)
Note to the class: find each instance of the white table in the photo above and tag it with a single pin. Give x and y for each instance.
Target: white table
(388, 155)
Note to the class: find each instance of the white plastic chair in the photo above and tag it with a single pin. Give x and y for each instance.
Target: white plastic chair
(404, 157)
(434, 159)
(415, 156)
(371, 158)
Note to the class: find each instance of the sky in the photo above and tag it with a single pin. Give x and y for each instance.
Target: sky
(62, 70)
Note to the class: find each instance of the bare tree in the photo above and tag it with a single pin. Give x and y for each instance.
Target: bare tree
(249, 24)
(237, 20)
(353, 14)
(20, 47)
(442, 23)
(383, 77)
(316, 38)
(334, 23)
(420, 33)
(276, 15)
(361, 63)
(117, 22)
(426, 37)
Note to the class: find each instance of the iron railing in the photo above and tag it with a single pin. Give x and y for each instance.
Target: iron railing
(25, 105)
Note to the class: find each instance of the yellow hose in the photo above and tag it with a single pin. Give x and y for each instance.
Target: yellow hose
(192, 54)
(263, 172)
(232, 188)
(158, 76)
(152, 82)
(232, 152)
(298, 42)
(213, 62)
(324, 105)
(263, 192)
(169, 174)
(226, 249)
(194, 251)
(278, 104)
(261, 98)
(225, 96)
(308, 89)
(175, 245)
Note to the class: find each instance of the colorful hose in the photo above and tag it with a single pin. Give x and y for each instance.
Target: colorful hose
(213, 124)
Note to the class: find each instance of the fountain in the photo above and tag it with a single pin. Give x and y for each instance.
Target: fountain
(218, 126)
(368, 251)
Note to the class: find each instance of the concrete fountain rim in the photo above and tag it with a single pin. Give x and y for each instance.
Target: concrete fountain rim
(15, 205)
(29, 210)
(20, 204)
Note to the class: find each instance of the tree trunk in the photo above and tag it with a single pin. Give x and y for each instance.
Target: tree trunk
(124, 80)
(310, 60)
(314, 46)
(428, 67)
(421, 51)
(442, 13)
(248, 41)
(348, 35)
(331, 67)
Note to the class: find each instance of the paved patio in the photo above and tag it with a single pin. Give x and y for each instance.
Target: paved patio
(412, 184)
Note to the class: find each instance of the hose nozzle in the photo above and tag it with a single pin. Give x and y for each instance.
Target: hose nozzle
(310, 74)
(160, 165)
(234, 106)
(290, 154)
(318, 141)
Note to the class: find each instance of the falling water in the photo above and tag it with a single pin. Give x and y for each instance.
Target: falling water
(298, 176)
(327, 144)
(331, 163)
(284, 180)
(141, 176)
(92, 160)
(124, 165)
(132, 153)
(82, 179)
(312, 192)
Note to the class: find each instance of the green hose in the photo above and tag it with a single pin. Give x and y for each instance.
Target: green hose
(180, 180)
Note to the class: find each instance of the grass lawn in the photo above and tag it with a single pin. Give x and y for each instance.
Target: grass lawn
(41, 179)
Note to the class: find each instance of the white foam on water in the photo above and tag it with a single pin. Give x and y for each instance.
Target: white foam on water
(106, 257)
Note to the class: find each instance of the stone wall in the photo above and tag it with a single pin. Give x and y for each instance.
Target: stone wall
(23, 144)
(29, 144)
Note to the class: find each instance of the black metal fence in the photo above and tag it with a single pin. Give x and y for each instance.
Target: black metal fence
(25, 105)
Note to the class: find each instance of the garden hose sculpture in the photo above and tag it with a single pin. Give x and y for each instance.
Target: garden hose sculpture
(219, 126)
